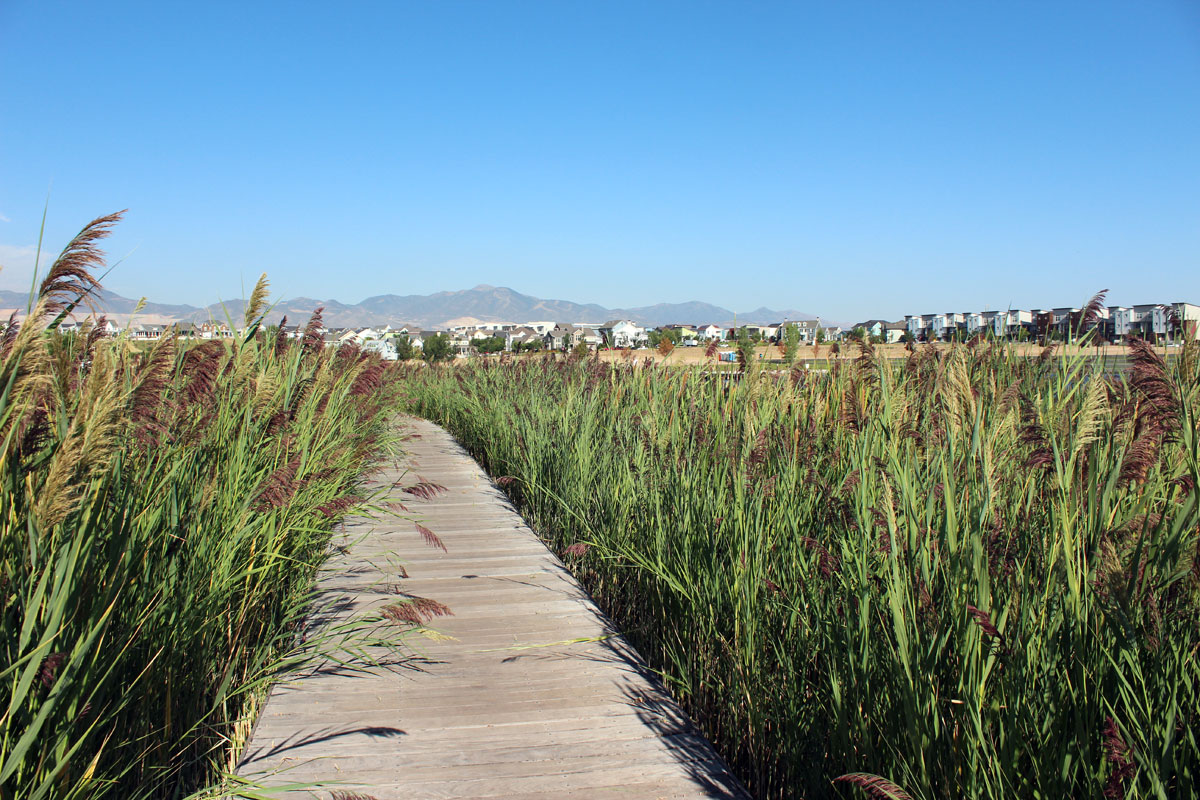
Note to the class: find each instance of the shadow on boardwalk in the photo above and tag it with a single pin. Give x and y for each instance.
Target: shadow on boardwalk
(527, 691)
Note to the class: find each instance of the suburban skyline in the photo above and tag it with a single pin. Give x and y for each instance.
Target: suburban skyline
(865, 160)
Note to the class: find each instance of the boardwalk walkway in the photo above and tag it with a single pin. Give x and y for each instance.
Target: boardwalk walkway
(535, 696)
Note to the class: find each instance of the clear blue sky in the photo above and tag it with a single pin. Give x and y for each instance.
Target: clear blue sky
(848, 159)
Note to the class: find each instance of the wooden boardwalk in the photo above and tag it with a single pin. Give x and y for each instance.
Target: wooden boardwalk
(535, 696)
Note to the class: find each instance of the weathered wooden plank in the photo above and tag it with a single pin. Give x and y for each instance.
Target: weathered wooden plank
(530, 694)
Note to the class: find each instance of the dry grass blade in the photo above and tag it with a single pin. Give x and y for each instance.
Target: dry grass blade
(430, 537)
(429, 608)
(339, 505)
(11, 328)
(281, 338)
(70, 277)
(402, 612)
(1119, 755)
(1157, 411)
(257, 301)
(874, 786)
(1091, 311)
(984, 621)
(426, 490)
(312, 342)
(48, 672)
(413, 610)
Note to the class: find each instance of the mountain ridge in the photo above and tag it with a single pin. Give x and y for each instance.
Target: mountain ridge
(483, 302)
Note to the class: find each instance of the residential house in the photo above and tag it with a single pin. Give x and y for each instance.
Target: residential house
(1188, 315)
(518, 336)
(560, 337)
(367, 334)
(462, 342)
(919, 325)
(1013, 323)
(873, 327)
(711, 332)
(763, 331)
(1169, 321)
(1064, 321)
(214, 330)
(948, 326)
(413, 334)
(588, 335)
(687, 333)
(623, 333)
(386, 348)
(808, 329)
(893, 332)
(1120, 322)
(1142, 320)
(147, 332)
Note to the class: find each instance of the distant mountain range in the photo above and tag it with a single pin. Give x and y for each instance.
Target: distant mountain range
(442, 309)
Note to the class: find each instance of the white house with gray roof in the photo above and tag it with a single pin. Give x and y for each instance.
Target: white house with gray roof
(623, 333)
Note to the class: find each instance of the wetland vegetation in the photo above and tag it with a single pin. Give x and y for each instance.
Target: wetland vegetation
(966, 574)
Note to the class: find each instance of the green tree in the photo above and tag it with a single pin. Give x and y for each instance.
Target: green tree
(492, 344)
(790, 336)
(820, 335)
(745, 349)
(437, 348)
(858, 332)
(405, 350)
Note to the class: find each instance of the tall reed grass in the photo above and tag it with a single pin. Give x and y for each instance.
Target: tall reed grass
(163, 509)
(965, 575)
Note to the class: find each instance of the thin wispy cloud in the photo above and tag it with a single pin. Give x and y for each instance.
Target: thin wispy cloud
(4, 218)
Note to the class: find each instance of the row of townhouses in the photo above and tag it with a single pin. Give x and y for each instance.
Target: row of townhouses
(619, 333)
(1154, 321)
(1158, 322)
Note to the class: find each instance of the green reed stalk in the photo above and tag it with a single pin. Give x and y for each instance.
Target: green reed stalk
(973, 574)
(163, 511)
